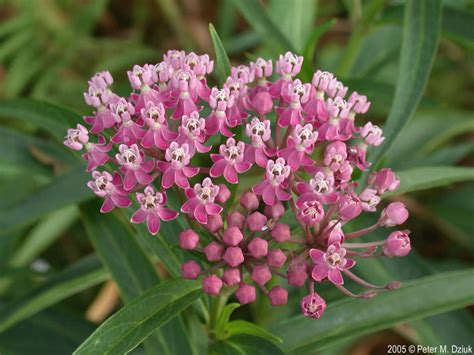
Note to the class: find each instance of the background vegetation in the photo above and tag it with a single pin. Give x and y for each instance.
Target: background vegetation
(64, 268)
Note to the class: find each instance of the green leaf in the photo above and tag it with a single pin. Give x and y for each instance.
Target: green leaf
(457, 25)
(52, 118)
(62, 329)
(295, 21)
(222, 60)
(44, 234)
(429, 177)
(310, 47)
(420, 38)
(353, 317)
(127, 328)
(245, 344)
(243, 327)
(64, 190)
(78, 277)
(223, 319)
(258, 18)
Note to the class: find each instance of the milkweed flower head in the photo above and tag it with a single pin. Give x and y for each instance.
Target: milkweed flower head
(296, 146)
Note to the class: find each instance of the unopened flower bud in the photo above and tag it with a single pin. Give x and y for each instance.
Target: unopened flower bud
(297, 273)
(188, 239)
(278, 296)
(258, 247)
(233, 256)
(256, 221)
(246, 293)
(236, 219)
(394, 285)
(397, 244)
(276, 258)
(214, 251)
(231, 277)
(190, 270)
(393, 215)
(214, 223)
(249, 201)
(275, 211)
(212, 285)
(261, 274)
(281, 233)
(369, 294)
(232, 236)
(223, 195)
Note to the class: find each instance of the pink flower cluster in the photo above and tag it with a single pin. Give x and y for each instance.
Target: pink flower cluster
(296, 145)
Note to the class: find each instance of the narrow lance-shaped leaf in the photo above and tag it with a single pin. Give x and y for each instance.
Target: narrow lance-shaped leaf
(58, 193)
(78, 277)
(52, 118)
(353, 317)
(222, 60)
(420, 38)
(429, 177)
(126, 329)
(258, 18)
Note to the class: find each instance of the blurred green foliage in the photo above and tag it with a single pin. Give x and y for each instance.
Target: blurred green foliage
(56, 250)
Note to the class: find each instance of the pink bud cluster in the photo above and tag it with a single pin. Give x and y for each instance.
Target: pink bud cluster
(302, 161)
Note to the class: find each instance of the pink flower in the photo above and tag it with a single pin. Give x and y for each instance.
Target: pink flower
(311, 211)
(299, 145)
(335, 155)
(101, 79)
(175, 169)
(158, 134)
(110, 189)
(192, 133)
(219, 101)
(262, 69)
(372, 134)
(349, 207)
(200, 201)
(330, 263)
(356, 156)
(296, 94)
(129, 131)
(384, 180)
(97, 96)
(174, 58)
(313, 305)
(201, 65)
(369, 200)
(96, 153)
(152, 210)
(140, 77)
(322, 184)
(358, 103)
(184, 90)
(397, 244)
(230, 161)
(287, 66)
(260, 133)
(131, 159)
(394, 214)
(332, 127)
(271, 188)
(76, 138)
(101, 120)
